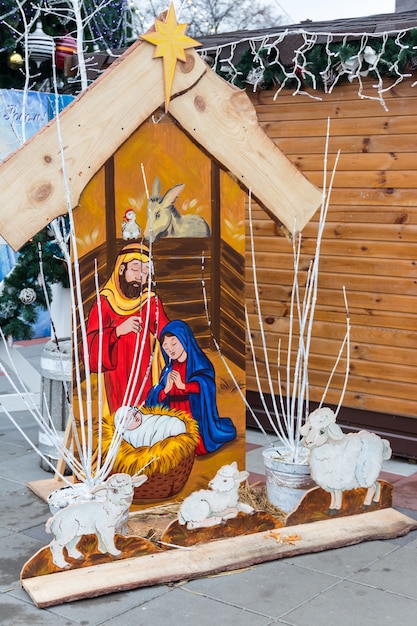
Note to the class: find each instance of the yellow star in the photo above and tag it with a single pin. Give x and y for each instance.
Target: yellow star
(171, 42)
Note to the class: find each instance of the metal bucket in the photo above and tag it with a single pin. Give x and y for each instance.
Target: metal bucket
(56, 368)
(286, 483)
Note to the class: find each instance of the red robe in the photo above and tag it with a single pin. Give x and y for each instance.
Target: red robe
(118, 353)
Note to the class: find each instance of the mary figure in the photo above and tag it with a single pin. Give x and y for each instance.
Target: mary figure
(187, 382)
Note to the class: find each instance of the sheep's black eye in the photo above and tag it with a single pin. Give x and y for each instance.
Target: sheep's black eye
(157, 215)
(321, 432)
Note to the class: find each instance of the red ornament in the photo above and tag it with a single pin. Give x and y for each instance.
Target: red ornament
(64, 47)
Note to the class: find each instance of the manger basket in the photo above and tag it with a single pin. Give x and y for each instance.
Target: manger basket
(167, 463)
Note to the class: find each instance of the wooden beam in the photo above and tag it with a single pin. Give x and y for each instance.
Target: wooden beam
(217, 556)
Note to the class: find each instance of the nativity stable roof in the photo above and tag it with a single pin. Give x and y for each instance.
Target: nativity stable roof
(218, 117)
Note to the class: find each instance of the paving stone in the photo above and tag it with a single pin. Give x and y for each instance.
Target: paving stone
(16, 612)
(394, 573)
(352, 604)
(188, 609)
(270, 588)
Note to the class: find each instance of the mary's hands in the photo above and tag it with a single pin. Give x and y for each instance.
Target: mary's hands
(174, 378)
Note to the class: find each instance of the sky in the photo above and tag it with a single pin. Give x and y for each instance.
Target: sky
(318, 10)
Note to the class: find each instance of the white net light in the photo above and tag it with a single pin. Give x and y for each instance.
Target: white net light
(306, 62)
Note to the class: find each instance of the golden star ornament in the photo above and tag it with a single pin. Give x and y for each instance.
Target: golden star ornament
(171, 43)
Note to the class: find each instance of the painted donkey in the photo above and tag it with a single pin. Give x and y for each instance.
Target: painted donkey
(164, 220)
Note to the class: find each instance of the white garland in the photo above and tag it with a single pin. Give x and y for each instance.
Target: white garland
(226, 57)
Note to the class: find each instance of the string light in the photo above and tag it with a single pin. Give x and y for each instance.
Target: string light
(319, 62)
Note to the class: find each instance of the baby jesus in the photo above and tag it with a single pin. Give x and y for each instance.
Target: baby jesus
(145, 429)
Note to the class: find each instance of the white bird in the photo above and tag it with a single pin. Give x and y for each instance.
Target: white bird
(130, 228)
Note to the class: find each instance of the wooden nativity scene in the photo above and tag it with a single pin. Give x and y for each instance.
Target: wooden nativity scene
(157, 184)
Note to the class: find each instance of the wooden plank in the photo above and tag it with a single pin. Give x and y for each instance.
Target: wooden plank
(373, 285)
(353, 161)
(364, 399)
(370, 302)
(388, 267)
(378, 215)
(372, 199)
(340, 230)
(360, 319)
(384, 124)
(42, 488)
(322, 358)
(66, 444)
(365, 340)
(376, 179)
(400, 379)
(331, 106)
(376, 143)
(211, 558)
(349, 248)
(367, 343)
(344, 91)
(388, 214)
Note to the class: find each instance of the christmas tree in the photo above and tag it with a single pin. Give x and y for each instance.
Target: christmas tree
(105, 25)
(22, 294)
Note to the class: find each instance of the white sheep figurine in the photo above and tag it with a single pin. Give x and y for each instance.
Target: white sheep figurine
(208, 507)
(339, 462)
(92, 517)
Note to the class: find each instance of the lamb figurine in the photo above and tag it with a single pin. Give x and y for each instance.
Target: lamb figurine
(208, 507)
(339, 462)
(92, 517)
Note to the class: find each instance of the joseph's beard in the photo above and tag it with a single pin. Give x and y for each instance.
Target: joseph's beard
(130, 290)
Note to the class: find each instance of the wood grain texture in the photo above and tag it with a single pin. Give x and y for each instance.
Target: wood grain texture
(211, 558)
(368, 244)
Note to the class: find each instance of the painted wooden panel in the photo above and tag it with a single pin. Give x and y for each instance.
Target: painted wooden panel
(195, 277)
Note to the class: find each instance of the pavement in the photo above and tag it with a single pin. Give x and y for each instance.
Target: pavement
(369, 584)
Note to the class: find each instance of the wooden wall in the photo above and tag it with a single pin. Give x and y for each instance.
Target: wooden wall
(369, 247)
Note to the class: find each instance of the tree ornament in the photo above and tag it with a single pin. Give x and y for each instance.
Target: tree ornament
(40, 45)
(64, 47)
(27, 296)
(15, 61)
(255, 77)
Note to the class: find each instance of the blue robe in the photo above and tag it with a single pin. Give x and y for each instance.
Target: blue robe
(214, 430)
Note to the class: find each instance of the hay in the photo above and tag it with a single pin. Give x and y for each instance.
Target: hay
(152, 522)
(255, 496)
(162, 457)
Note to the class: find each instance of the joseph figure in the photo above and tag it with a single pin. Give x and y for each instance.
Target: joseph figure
(123, 329)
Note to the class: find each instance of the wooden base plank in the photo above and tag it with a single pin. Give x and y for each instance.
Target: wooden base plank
(211, 558)
(42, 488)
